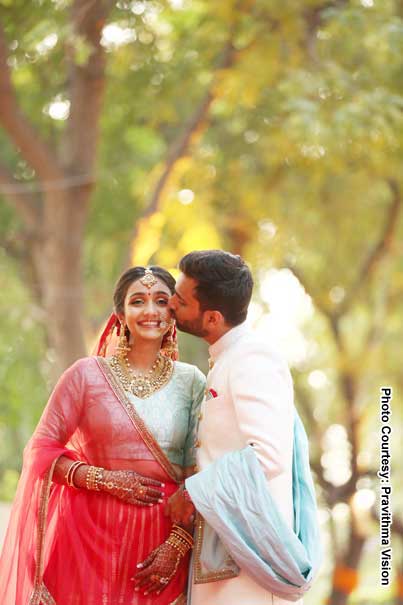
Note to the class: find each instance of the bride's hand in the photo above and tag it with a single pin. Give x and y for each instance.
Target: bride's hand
(132, 487)
(158, 569)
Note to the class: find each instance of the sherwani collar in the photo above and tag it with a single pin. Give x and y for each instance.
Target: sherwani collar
(228, 339)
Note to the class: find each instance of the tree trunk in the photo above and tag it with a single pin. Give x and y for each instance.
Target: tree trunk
(345, 582)
(60, 272)
(55, 220)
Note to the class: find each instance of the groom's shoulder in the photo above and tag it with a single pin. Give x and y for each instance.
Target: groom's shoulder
(254, 343)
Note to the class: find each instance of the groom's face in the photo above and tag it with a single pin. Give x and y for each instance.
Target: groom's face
(185, 307)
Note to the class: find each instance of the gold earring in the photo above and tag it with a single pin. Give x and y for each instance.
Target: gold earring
(123, 344)
(170, 347)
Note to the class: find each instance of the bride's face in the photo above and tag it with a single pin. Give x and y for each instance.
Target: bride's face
(146, 310)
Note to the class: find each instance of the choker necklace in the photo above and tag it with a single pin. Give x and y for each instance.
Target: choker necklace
(142, 385)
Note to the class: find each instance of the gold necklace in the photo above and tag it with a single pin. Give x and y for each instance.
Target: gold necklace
(142, 385)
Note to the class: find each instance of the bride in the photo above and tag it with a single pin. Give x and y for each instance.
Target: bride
(114, 442)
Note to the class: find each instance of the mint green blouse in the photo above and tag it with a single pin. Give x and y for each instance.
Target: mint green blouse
(171, 414)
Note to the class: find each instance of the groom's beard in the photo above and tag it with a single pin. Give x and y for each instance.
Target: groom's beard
(194, 327)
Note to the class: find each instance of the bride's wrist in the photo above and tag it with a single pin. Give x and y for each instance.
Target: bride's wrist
(94, 478)
(180, 539)
(79, 476)
(71, 473)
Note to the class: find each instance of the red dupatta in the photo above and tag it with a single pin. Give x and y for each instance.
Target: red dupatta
(74, 547)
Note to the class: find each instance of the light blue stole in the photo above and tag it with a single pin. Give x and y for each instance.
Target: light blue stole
(233, 496)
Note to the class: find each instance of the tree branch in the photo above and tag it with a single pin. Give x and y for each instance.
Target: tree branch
(26, 204)
(303, 400)
(12, 247)
(87, 84)
(194, 126)
(308, 289)
(346, 379)
(180, 146)
(376, 330)
(313, 17)
(378, 251)
(333, 493)
(35, 151)
(21, 248)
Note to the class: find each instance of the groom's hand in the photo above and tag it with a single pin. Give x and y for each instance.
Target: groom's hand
(180, 508)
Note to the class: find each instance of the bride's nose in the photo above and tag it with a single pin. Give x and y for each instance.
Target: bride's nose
(150, 309)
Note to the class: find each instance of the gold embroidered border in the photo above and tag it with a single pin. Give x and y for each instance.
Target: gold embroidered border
(40, 591)
(47, 598)
(181, 600)
(210, 576)
(137, 421)
(42, 597)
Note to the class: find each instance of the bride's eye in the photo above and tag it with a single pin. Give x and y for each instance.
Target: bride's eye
(136, 301)
(162, 301)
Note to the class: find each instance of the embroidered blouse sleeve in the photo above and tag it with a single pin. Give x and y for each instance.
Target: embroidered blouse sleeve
(61, 415)
(262, 392)
(198, 386)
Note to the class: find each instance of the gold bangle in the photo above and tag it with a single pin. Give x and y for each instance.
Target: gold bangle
(93, 480)
(187, 541)
(70, 472)
(89, 480)
(98, 478)
(183, 548)
(181, 539)
(178, 544)
(67, 475)
(183, 533)
(73, 472)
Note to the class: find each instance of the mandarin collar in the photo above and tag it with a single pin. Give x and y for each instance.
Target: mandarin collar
(228, 339)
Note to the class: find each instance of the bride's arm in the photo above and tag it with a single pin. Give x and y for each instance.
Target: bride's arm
(128, 486)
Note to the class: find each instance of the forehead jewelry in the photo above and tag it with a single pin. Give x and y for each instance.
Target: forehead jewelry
(148, 280)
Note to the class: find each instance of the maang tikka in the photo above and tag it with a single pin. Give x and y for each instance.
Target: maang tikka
(148, 280)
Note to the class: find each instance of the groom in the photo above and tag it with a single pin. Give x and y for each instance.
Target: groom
(248, 402)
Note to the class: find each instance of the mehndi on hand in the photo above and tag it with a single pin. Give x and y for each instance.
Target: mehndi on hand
(127, 485)
(131, 487)
(162, 563)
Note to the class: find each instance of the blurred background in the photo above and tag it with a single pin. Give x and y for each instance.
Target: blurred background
(135, 131)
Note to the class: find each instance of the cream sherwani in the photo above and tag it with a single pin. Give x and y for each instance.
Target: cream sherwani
(254, 406)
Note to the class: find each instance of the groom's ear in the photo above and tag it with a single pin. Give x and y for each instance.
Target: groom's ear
(214, 319)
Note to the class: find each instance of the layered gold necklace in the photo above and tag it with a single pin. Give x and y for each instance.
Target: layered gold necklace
(142, 384)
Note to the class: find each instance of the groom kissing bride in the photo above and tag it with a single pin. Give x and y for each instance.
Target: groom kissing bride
(256, 536)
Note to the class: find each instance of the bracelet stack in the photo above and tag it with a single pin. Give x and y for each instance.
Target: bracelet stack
(93, 479)
(180, 539)
(69, 476)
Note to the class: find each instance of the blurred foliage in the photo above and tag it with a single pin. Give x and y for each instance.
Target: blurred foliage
(23, 372)
(296, 165)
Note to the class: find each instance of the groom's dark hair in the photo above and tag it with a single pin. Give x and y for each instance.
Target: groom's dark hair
(224, 282)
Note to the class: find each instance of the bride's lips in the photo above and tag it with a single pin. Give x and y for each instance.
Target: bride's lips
(149, 324)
